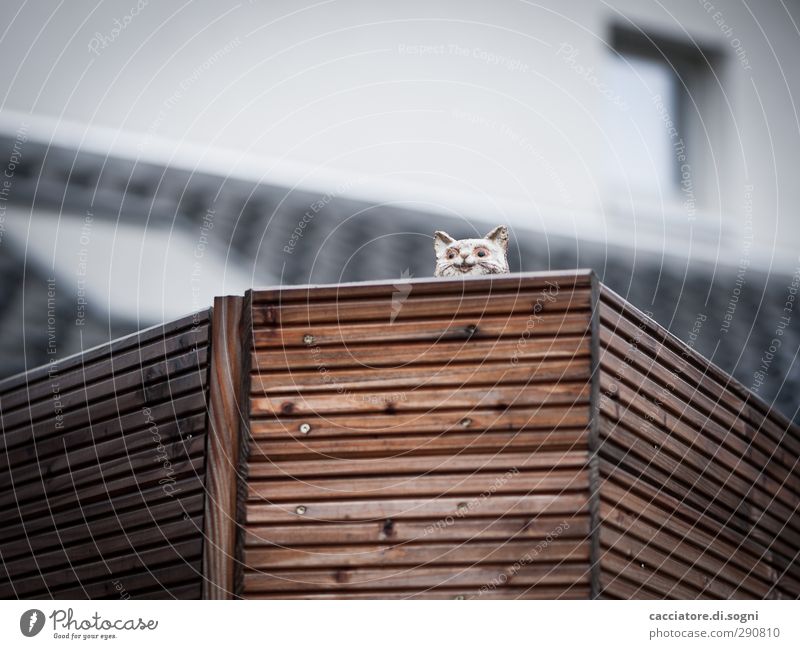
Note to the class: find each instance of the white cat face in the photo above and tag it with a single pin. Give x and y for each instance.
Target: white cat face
(465, 257)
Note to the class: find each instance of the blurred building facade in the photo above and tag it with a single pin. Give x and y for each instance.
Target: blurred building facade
(202, 151)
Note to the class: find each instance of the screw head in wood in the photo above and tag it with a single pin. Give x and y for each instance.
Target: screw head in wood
(308, 339)
(459, 597)
(300, 510)
(305, 428)
(466, 422)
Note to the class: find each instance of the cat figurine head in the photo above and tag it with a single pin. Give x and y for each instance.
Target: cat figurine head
(468, 257)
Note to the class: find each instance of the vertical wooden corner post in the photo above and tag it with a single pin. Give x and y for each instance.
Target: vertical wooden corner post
(227, 416)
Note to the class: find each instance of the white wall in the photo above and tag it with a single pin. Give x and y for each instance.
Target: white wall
(490, 120)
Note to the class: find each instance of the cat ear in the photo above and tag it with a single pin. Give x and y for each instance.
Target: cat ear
(499, 236)
(441, 240)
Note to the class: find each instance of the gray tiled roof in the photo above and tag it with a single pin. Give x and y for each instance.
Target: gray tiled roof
(349, 240)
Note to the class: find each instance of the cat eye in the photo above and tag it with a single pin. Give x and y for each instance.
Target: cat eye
(451, 254)
(481, 252)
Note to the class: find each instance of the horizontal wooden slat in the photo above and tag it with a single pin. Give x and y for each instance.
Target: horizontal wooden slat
(155, 582)
(527, 551)
(547, 481)
(410, 446)
(434, 329)
(486, 372)
(461, 529)
(502, 592)
(438, 286)
(729, 460)
(472, 419)
(463, 462)
(417, 446)
(384, 310)
(367, 510)
(370, 356)
(498, 397)
(429, 577)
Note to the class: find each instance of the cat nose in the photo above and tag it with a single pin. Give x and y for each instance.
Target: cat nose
(465, 254)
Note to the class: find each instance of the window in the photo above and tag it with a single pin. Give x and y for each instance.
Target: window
(659, 136)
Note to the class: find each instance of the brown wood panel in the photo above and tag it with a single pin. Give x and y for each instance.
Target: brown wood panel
(97, 532)
(717, 470)
(135, 400)
(731, 462)
(462, 415)
(700, 486)
(694, 407)
(671, 517)
(84, 397)
(44, 469)
(113, 491)
(75, 383)
(25, 380)
(704, 374)
(713, 558)
(177, 414)
(692, 581)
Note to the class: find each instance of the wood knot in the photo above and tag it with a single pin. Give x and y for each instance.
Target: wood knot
(287, 407)
(388, 528)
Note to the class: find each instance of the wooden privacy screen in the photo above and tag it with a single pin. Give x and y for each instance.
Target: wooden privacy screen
(518, 436)
(420, 439)
(699, 481)
(102, 470)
